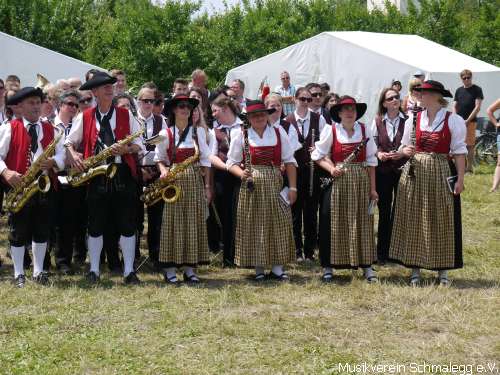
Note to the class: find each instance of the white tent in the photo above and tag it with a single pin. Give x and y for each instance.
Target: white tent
(26, 59)
(360, 64)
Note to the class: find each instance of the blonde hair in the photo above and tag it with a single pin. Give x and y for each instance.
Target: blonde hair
(201, 122)
(142, 90)
(414, 82)
(273, 96)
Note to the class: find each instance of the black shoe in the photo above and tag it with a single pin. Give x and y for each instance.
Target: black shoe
(65, 270)
(260, 277)
(299, 255)
(116, 270)
(92, 277)
(193, 279)
(283, 277)
(310, 258)
(131, 278)
(172, 280)
(327, 277)
(19, 281)
(42, 278)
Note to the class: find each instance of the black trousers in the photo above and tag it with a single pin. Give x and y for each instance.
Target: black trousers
(305, 212)
(154, 214)
(70, 220)
(387, 186)
(225, 202)
(33, 222)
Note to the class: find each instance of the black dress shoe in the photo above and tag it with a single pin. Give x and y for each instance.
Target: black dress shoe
(327, 277)
(283, 277)
(19, 281)
(131, 279)
(92, 277)
(193, 279)
(65, 269)
(42, 278)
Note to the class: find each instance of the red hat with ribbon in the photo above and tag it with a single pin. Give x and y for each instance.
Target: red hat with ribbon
(347, 100)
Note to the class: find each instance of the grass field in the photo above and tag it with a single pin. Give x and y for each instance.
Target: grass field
(229, 325)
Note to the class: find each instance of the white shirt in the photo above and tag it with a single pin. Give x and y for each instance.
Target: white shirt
(3, 117)
(306, 121)
(5, 136)
(75, 136)
(323, 147)
(229, 128)
(293, 137)
(147, 157)
(390, 125)
(235, 154)
(456, 124)
(162, 148)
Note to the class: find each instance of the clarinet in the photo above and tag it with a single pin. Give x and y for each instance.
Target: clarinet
(327, 181)
(246, 150)
(311, 167)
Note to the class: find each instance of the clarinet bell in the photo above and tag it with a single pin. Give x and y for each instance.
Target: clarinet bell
(250, 186)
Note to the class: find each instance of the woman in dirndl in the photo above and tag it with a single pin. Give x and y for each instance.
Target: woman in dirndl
(183, 240)
(346, 237)
(427, 230)
(264, 235)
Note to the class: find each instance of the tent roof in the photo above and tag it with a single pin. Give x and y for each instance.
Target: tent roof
(26, 59)
(414, 50)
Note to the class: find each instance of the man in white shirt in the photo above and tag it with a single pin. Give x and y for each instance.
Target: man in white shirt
(287, 92)
(96, 129)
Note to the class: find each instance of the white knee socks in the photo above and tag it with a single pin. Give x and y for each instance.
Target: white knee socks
(95, 247)
(17, 253)
(38, 250)
(127, 245)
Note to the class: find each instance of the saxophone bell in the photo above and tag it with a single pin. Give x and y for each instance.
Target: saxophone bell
(171, 193)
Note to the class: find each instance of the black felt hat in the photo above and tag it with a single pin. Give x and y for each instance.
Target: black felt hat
(25, 92)
(98, 79)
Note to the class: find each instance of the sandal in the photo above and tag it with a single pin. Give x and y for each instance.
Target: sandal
(282, 277)
(443, 281)
(327, 277)
(260, 277)
(372, 279)
(193, 279)
(414, 280)
(170, 280)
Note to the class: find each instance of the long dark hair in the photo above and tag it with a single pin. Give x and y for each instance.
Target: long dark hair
(381, 110)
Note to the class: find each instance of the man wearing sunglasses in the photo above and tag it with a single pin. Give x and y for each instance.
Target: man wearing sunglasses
(316, 104)
(305, 209)
(287, 92)
(467, 104)
(69, 202)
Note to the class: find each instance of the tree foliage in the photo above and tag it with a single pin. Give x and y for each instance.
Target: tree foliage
(160, 41)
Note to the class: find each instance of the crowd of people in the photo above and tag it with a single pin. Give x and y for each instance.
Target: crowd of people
(266, 182)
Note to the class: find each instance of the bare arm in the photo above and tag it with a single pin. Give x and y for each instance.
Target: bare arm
(460, 164)
(491, 112)
(475, 111)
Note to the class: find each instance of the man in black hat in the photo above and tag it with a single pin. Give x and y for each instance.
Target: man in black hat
(22, 141)
(95, 129)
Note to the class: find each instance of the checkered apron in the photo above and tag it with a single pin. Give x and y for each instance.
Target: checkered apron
(184, 231)
(423, 230)
(352, 240)
(264, 234)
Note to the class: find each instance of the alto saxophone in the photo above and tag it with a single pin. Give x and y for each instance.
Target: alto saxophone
(32, 181)
(93, 167)
(164, 188)
(327, 181)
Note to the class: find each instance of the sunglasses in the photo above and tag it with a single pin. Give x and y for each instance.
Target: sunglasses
(184, 106)
(466, 77)
(85, 100)
(317, 95)
(392, 98)
(71, 104)
(309, 100)
(285, 77)
(158, 102)
(148, 101)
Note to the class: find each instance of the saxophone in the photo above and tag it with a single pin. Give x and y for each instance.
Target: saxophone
(93, 166)
(32, 181)
(327, 181)
(164, 188)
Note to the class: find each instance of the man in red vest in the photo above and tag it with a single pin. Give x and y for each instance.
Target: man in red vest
(22, 141)
(114, 200)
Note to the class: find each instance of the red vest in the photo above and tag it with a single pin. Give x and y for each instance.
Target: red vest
(437, 142)
(18, 158)
(122, 130)
(266, 155)
(340, 151)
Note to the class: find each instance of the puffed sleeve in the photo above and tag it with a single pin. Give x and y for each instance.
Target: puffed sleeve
(235, 153)
(458, 132)
(204, 148)
(161, 148)
(405, 140)
(371, 149)
(5, 135)
(212, 142)
(75, 135)
(286, 149)
(323, 147)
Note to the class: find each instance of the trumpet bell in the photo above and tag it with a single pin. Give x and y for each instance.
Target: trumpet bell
(41, 81)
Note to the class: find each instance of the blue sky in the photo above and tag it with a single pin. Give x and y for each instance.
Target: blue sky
(209, 5)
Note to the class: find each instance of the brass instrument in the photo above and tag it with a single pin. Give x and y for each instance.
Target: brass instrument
(311, 167)
(327, 181)
(41, 81)
(32, 181)
(93, 166)
(246, 150)
(164, 188)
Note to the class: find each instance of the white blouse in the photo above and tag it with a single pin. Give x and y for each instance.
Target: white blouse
(229, 128)
(323, 147)
(235, 154)
(456, 124)
(147, 158)
(303, 123)
(293, 137)
(390, 125)
(162, 148)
